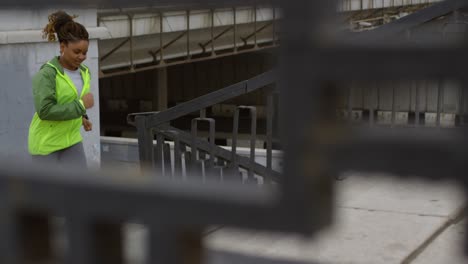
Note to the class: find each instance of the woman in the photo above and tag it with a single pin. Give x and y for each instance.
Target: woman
(61, 96)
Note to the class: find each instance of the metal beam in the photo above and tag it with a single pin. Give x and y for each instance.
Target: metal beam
(105, 56)
(203, 45)
(167, 45)
(407, 22)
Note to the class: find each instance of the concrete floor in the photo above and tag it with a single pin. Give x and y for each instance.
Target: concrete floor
(378, 220)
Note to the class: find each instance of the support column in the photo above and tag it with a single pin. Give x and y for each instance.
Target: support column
(161, 91)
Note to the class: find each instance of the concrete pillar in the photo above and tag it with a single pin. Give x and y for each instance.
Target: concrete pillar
(161, 95)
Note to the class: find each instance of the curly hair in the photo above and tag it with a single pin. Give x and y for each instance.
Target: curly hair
(67, 30)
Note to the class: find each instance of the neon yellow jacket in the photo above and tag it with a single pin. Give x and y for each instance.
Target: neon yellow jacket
(59, 109)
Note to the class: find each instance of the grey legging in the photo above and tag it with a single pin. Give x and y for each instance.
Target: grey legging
(73, 155)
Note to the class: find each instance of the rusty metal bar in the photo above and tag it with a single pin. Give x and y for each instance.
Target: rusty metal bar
(245, 39)
(167, 45)
(114, 49)
(203, 45)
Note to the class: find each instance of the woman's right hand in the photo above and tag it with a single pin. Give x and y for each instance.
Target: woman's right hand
(88, 100)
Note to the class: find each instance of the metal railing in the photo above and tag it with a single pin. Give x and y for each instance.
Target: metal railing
(204, 50)
(200, 156)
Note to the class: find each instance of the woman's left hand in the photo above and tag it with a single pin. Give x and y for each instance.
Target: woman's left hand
(88, 126)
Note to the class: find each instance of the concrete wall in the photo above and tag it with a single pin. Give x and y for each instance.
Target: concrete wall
(22, 52)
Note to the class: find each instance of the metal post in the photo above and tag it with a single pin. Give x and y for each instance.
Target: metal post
(440, 101)
(350, 104)
(234, 167)
(417, 104)
(269, 136)
(211, 139)
(393, 104)
(410, 102)
(9, 250)
(193, 147)
(161, 43)
(35, 236)
(274, 25)
(107, 244)
(371, 105)
(378, 86)
(159, 162)
(462, 104)
(162, 88)
(212, 32)
(145, 143)
(132, 63)
(253, 136)
(255, 26)
(175, 136)
(235, 29)
(212, 142)
(163, 246)
(79, 239)
(188, 34)
(177, 157)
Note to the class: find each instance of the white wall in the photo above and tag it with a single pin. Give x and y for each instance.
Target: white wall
(352, 5)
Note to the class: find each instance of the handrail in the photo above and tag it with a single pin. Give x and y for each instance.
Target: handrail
(157, 118)
(218, 151)
(150, 124)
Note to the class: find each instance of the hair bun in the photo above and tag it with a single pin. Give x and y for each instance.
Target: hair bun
(56, 21)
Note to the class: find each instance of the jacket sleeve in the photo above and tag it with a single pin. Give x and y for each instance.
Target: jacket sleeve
(45, 100)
